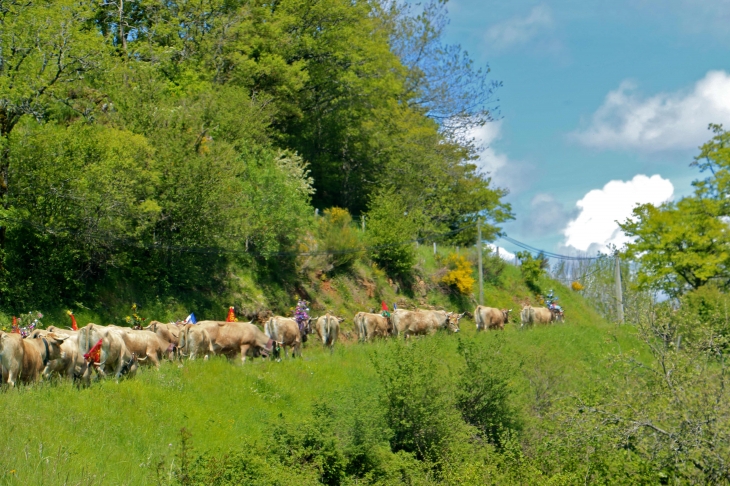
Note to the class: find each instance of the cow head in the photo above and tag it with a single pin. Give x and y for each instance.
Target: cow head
(453, 321)
(505, 313)
(52, 346)
(37, 333)
(129, 367)
(152, 326)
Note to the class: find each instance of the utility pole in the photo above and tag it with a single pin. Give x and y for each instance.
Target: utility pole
(479, 253)
(619, 294)
(362, 220)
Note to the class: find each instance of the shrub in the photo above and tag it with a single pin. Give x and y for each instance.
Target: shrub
(460, 274)
(532, 269)
(417, 400)
(492, 266)
(483, 393)
(339, 238)
(390, 229)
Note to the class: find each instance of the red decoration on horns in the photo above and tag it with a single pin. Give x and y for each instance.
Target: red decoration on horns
(73, 321)
(15, 329)
(231, 315)
(94, 354)
(384, 306)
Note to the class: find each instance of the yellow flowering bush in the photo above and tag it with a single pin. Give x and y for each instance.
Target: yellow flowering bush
(460, 275)
(576, 286)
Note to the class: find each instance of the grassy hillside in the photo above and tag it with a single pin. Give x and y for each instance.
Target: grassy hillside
(130, 432)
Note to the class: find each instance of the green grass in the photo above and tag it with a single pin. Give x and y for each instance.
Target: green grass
(117, 433)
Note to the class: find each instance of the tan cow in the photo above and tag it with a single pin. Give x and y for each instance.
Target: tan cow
(145, 345)
(527, 316)
(70, 363)
(115, 358)
(370, 325)
(22, 360)
(419, 322)
(532, 315)
(168, 332)
(61, 330)
(543, 315)
(328, 328)
(194, 342)
(231, 338)
(285, 331)
(488, 318)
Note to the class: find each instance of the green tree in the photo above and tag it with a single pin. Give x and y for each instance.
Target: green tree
(679, 246)
(532, 269)
(339, 238)
(685, 245)
(46, 49)
(390, 233)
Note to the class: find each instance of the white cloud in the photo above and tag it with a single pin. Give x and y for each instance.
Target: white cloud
(503, 254)
(489, 160)
(503, 171)
(595, 226)
(665, 121)
(521, 30)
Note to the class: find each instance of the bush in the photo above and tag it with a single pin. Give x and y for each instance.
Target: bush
(339, 238)
(492, 266)
(390, 231)
(706, 307)
(460, 274)
(417, 399)
(483, 393)
(532, 269)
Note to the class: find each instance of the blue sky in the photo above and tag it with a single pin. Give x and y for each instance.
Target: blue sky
(595, 95)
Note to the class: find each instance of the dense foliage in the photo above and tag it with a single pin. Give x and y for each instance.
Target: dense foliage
(147, 146)
(683, 245)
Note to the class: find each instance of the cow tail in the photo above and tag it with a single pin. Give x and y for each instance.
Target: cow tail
(361, 327)
(326, 330)
(478, 316)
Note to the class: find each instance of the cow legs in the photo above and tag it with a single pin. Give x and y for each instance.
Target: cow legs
(244, 350)
(153, 359)
(11, 378)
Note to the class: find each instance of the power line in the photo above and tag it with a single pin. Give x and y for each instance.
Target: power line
(546, 253)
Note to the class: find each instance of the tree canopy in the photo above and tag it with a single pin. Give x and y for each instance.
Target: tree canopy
(154, 140)
(685, 245)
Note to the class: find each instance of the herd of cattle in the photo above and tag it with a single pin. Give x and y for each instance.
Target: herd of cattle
(118, 351)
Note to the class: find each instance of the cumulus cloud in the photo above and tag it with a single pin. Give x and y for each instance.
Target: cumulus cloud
(521, 30)
(489, 160)
(503, 254)
(595, 227)
(503, 171)
(546, 216)
(665, 121)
